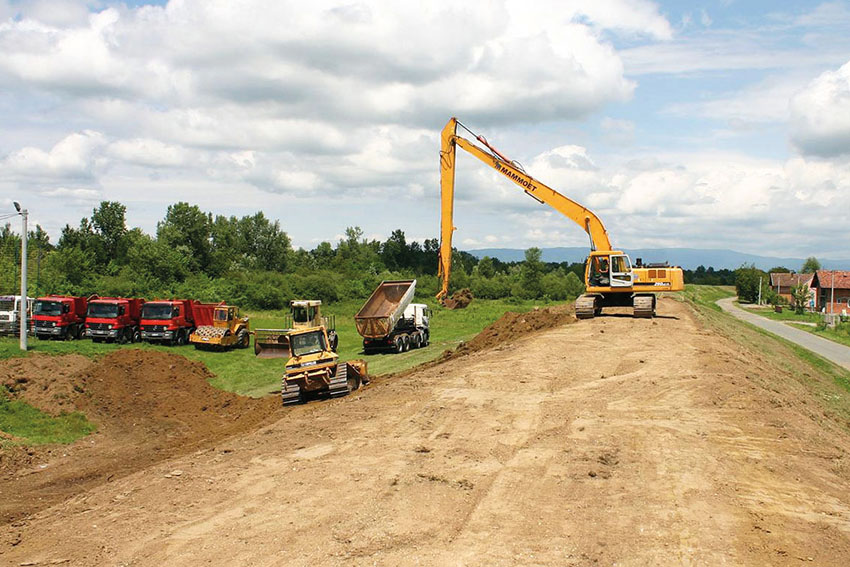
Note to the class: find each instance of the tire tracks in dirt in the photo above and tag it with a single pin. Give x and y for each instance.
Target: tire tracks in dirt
(635, 442)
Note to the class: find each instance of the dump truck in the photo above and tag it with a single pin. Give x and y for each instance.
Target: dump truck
(114, 319)
(228, 329)
(10, 314)
(303, 314)
(172, 321)
(388, 321)
(314, 369)
(60, 316)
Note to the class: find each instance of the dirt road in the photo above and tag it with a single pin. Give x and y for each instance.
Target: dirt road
(610, 441)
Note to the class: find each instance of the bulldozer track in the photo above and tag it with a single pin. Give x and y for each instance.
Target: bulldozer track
(338, 386)
(290, 393)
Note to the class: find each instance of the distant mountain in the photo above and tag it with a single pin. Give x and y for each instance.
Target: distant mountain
(688, 258)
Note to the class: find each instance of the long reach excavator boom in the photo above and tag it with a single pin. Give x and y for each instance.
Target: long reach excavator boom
(609, 276)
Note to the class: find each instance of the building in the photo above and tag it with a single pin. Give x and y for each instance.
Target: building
(783, 282)
(832, 291)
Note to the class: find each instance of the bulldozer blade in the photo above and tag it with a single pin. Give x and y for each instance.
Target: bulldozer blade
(271, 343)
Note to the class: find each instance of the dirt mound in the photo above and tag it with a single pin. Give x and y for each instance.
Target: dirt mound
(512, 326)
(459, 299)
(43, 381)
(160, 394)
(147, 407)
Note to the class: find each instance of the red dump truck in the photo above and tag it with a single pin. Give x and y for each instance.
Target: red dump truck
(114, 319)
(171, 321)
(59, 316)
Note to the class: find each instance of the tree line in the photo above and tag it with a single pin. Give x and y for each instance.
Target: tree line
(250, 261)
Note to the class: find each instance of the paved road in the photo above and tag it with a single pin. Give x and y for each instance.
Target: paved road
(839, 354)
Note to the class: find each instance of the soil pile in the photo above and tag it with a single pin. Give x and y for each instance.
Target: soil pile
(459, 299)
(45, 382)
(147, 406)
(162, 394)
(512, 326)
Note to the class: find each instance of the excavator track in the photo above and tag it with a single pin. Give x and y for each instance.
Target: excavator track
(644, 306)
(586, 307)
(291, 393)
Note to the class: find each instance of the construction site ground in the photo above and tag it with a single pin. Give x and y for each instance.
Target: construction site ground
(612, 441)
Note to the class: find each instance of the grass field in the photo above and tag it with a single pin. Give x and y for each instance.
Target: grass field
(706, 295)
(33, 427)
(787, 314)
(240, 371)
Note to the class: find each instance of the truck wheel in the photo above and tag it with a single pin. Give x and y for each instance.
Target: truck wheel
(415, 341)
(406, 341)
(244, 339)
(398, 345)
(137, 336)
(181, 338)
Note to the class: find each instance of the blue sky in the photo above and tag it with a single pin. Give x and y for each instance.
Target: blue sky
(721, 124)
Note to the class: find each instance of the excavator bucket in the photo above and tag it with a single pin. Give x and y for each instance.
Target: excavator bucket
(271, 343)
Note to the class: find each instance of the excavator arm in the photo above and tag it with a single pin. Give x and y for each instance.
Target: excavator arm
(540, 192)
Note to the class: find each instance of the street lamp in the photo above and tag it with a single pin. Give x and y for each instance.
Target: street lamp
(23, 309)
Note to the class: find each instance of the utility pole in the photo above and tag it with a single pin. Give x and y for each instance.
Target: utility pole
(832, 295)
(759, 290)
(23, 305)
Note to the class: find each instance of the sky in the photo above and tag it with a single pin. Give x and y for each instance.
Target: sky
(716, 124)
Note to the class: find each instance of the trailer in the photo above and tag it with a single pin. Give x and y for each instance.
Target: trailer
(388, 321)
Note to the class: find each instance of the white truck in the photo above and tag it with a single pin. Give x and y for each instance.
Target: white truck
(388, 321)
(10, 314)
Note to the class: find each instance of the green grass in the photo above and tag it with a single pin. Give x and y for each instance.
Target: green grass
(239, 371)
(707, 295)
(834, 335)
(33, 427)
(787, 314)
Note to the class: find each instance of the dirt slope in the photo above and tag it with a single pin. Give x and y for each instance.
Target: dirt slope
(610, 441)
(147, 406)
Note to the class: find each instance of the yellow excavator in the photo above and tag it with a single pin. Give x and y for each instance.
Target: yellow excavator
(610, 279)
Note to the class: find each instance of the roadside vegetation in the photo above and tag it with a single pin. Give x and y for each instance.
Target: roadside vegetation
(829, 382)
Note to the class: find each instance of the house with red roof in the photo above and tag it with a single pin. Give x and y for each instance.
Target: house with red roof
(783, 282)
(832, 291)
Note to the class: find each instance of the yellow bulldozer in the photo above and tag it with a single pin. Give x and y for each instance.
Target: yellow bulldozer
(228, 330)
(303, 314)
(313, 368)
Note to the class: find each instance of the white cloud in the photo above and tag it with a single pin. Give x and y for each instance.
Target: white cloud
(820, 114)
(73, 157)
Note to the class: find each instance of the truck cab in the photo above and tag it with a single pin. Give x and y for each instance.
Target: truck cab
(114, 319)
(59, 316)
(164, 321)
(10, 314)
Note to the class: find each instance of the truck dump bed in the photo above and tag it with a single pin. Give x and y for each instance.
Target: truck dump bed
(378, 317)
